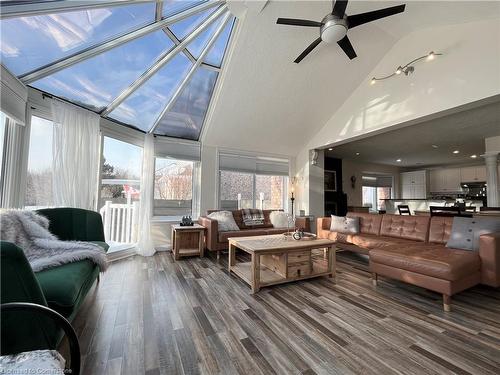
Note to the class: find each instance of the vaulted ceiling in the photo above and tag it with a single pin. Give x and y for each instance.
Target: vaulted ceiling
(268, 103)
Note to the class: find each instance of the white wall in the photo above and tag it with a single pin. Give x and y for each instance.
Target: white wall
(469, 70)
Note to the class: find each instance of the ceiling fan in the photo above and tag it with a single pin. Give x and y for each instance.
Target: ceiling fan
(333, 28)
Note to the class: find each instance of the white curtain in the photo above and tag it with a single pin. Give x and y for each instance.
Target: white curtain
(75, 156)
(145, 246)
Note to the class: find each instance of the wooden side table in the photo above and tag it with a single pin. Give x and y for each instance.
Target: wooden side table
(188, 240)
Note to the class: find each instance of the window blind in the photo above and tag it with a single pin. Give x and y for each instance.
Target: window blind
(253, 164)
(177, 149)
(377, 181)
(13, 97)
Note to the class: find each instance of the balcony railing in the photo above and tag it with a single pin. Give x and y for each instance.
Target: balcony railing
(120, 221)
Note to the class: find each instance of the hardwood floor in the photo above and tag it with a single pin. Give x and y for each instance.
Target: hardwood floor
(156, 316)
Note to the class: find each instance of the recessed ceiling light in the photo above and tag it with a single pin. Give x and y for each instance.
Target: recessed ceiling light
(473, 156)
(330, 149)
(435, 146)
(456, 152)
(398, 160)
(357, 153)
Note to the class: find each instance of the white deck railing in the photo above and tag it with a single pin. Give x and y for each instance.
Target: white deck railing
(120, 221)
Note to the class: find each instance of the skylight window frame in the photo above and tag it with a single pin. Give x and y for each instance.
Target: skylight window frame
(104, 46)
(163, 60)
(187, 78)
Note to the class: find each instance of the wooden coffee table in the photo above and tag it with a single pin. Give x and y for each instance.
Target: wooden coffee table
(277, 259)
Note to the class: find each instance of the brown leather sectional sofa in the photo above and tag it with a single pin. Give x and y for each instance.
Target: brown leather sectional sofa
(217, 241)
(413, 249)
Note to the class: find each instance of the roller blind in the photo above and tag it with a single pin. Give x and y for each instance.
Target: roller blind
(13, 97)
(253, 164)
(177, 149)
(377, 181)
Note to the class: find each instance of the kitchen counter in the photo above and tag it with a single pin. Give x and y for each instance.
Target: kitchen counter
(422, 205)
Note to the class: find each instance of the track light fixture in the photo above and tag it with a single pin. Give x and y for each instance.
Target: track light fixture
(407, 69)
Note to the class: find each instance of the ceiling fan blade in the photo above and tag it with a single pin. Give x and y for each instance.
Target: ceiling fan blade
(359, 19)
(308, 50)
(339, 8)
(298, 22)
(346, 46)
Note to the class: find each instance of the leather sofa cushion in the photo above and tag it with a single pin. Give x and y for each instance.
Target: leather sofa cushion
(440, 229)
(276, 230)
(430, 259)
(238, 218)
(224, 236)
(408, 227)
(368, 223)
(370, 241)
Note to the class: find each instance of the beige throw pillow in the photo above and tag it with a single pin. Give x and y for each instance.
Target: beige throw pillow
(225, 220)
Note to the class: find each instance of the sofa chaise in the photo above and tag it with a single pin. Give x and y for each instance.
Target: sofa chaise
(413, 249)
(62, 288)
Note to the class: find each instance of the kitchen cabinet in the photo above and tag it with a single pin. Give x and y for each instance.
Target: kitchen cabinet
(445, 180)
(413, 185)
(472, 174)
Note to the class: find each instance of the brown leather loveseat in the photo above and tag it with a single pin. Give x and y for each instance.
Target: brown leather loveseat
(217, 241)
(413, 249)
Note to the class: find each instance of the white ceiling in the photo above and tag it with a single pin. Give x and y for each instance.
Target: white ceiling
(268, 103)
(464, 131)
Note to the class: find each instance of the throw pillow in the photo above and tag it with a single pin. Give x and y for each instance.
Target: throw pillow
(465, 231)
(279, 219)
(225, 220)
(344, 224)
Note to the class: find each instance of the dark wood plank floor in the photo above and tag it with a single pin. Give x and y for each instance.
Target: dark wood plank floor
(156, 316)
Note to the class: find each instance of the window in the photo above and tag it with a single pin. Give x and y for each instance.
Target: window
(39, 178)
(248, 188)
(121, 171)
(173, 195)
(271, 189)
(236, 186)
(373, 197)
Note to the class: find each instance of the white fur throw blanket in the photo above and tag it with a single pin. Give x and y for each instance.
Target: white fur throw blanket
(29, 231)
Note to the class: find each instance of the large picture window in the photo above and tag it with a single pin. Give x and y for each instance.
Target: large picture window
(39, 177)
(120, 171)
(248, 190)
(173, 189)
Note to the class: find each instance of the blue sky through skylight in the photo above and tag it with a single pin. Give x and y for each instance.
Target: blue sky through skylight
(186, 117)
(97, 81)
(31, 42)
(216, 53)
(185, 27)
(144, 106)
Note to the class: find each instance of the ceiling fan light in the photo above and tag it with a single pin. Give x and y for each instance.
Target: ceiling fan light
(333, 29)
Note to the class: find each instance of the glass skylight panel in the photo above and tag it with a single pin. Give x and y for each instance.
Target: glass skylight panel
(143, 107)
(185, 27)
(197, 45)
(31, 42)
(216, 53)
(95, 82)
(186, 117)
(171, 7)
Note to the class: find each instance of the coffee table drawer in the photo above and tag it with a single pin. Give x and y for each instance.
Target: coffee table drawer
(299, 257)
(299, 269)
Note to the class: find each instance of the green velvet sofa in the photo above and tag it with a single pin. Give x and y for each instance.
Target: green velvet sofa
(61, 288)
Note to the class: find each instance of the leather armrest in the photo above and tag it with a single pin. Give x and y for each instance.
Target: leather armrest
(489, 252)
(323, 227)
(212, 231)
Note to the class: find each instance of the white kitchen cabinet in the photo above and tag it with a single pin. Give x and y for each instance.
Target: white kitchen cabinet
(472, 174)
(413, 185)
(445, 180)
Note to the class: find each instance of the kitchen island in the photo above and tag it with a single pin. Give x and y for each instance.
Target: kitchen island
(421, 206)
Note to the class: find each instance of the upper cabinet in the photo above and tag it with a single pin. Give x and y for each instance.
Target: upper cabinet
(472, 174)
(444, 180)
(413, 185)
